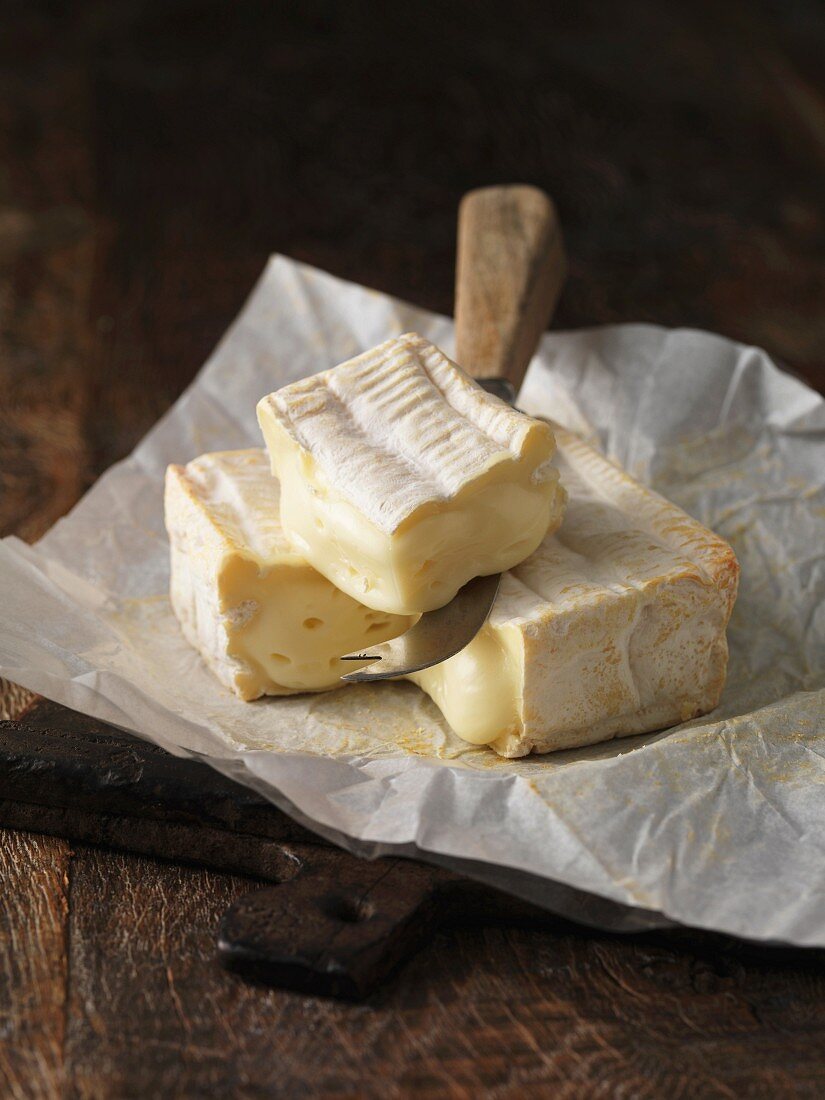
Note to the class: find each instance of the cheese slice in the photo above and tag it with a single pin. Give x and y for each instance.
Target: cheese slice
(401, 478)
(263, 619)
(614, 626)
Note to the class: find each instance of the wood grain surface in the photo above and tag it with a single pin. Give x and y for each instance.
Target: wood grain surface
(151, 156)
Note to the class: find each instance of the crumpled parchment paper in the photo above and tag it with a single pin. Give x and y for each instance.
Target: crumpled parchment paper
(717, 823)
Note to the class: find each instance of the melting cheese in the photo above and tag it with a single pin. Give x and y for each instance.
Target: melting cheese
(264, 620)
(615, 625)
(401, 479)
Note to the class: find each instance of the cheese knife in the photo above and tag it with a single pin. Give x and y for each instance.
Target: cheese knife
(510, 267)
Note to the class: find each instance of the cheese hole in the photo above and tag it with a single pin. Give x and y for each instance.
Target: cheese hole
(312, 624)
(381, 625)
(319, 523)
(426, 567)
(279, 658)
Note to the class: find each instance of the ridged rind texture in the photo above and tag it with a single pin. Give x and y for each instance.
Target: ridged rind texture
(243, 499)
(614, 626)
(625, 606)
(401, 427)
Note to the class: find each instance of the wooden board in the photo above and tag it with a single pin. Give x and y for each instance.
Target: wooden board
(335, 925)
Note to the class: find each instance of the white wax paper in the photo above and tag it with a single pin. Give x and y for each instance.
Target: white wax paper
(716, 823)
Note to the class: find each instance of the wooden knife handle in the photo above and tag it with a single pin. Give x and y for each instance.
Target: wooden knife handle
(510, 267)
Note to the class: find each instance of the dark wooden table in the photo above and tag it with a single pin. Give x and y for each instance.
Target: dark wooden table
(151, 156)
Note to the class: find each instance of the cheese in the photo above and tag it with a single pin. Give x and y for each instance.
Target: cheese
(262, 618)
(614, 626)
(401, 479)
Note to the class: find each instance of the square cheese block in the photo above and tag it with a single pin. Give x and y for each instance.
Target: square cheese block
(264, 620)
(614, 626)
(401, 478)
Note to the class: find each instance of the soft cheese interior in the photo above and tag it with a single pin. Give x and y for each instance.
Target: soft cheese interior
(615, 625)
(401, 479)
(265, 621)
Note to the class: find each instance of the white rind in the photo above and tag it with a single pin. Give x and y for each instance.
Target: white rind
(402, 427)
(235, 491)
(614, 626)
(401, 479)
(263, 620)
(200, 520)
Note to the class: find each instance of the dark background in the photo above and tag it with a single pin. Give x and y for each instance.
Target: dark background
(151, 156)
(154, 154)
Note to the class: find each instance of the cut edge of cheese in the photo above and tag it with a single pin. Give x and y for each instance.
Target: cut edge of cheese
(580, 647)
(261, 617)
(401, 478)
